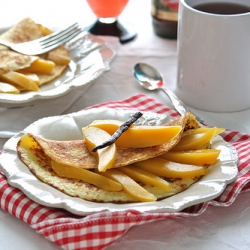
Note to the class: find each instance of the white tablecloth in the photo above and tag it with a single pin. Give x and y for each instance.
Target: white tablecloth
(217, 228)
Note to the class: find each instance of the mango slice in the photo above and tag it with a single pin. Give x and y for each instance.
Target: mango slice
(100, 181)
(205, 146)
(145, 177)
(8, 88)
(139, 136)
(33, 77)
(57, 58)
(194, 141)
(40, 66)
(194, 157)
(203, 130)
(45, 31)
(21, 80)
(129, 185)
(106, 156)
(27, 142)
(109, 126)
(168, 169)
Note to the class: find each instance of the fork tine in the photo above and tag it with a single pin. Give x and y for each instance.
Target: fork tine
(48, 43)
(62, 40)
(56, 34)
(59, 37)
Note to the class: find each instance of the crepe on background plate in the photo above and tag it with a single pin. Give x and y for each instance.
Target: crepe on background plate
(24, 31)
(89, 58)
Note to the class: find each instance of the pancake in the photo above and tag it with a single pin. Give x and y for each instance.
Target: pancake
(24, 31)
(12, 61)
(40, 165)
(37, 153)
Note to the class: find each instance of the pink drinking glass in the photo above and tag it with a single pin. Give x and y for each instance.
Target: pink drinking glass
(107, 12)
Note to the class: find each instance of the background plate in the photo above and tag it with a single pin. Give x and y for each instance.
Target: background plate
(68, 127)
(90, 57)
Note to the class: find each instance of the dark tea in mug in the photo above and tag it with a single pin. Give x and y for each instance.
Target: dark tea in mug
(222, 8)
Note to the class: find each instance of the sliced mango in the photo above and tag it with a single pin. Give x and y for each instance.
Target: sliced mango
(27, 142)
(139, 136)
(129, 185)
(7, 88)
(109, 126)
(57, 58)
(194, 141)
(45, 31)
(194, 157)
(106, 156)
(88, 176)
(203, 130)
(33, 77)
(40, 66)
(145, 177)
(168, 169)
(205, 146)
(20, 80)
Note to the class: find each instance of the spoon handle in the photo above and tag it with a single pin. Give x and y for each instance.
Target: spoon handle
(180, 107)
(177, 103)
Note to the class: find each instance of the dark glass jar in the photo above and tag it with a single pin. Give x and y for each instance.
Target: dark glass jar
(165, 17)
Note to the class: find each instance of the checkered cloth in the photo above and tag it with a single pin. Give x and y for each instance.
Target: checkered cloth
(101, 229)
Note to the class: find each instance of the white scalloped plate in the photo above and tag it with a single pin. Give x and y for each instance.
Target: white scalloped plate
(68, 127)
(90, 57)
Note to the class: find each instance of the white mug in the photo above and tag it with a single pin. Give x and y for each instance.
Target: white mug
(213, 58)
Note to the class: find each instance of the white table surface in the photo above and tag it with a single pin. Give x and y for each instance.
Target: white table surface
(218, 227)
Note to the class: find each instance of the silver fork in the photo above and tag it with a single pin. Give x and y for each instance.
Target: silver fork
(46, 43)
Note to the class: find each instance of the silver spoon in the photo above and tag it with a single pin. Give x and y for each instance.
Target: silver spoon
(149, 78)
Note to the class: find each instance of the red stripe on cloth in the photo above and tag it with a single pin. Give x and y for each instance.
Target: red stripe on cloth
(101, 229)
(139, 102)
(233, 136)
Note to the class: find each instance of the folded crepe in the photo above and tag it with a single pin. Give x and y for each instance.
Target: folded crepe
(37, 154)
(12, 61)
(24, 31)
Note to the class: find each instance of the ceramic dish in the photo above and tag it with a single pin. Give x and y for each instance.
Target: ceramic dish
(68, 127)
(90, 57)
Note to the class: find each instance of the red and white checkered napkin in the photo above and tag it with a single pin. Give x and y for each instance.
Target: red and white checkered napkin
(101, 229)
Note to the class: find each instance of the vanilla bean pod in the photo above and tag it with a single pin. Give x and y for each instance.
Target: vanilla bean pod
(119, 131)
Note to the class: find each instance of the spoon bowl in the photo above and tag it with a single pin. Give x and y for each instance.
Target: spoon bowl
(149, 78)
